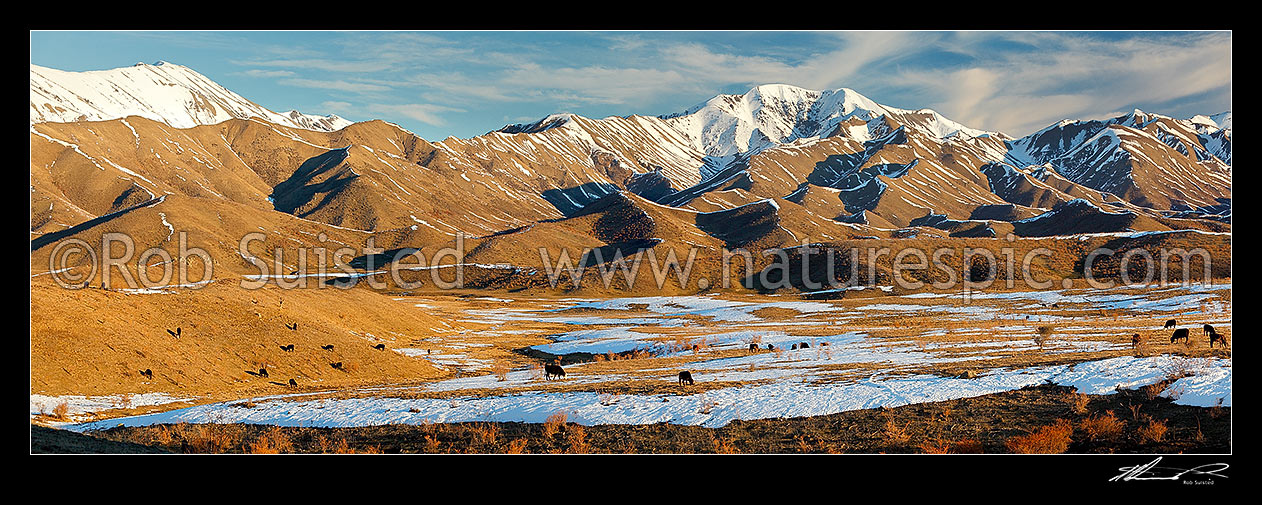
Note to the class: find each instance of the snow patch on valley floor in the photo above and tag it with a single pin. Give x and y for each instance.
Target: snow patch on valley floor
(78, 406)
(791, 397)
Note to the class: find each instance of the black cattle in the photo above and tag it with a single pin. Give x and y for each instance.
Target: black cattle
(337, 365)
(263, 372)
(1209, 329)
(147, 373)
(1171, 323)
(175, 333)
(793, 347)
(379, 347)
(292, 326)
(293, 383)
(287, 348)
(753, 347)
(550, 371)
(1179, 334)
(1215, 337)
(327, 347)
(771, 347)
(685, 378)
(822, 344)
(804, 345)
(1135, 340)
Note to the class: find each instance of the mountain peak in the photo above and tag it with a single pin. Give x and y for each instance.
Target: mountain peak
(162, 91)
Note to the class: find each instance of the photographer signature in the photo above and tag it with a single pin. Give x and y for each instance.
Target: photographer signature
(1141, 472)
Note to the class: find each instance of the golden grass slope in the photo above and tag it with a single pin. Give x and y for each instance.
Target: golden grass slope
(94, 341)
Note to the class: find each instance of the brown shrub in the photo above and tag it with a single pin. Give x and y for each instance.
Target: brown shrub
(1154, 431)
(486, 433)
(500, 370)
(936, 446)
(272, 441)
(1077, 402)
(1050, 439)
(516, 447)
(1105, 427)
(1044, 334)
(941, 446)
(432, 445)
(212, 439)
(966, 446)
(576, 437)
(725, 446)
(895, 434)
(61, 410)
(553, 424)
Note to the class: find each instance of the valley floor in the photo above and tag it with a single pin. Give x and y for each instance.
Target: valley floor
(927, 372)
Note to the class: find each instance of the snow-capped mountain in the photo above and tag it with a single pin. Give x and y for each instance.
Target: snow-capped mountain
(173, 94)
(838, 160)
(1148, 159)
(774, 114)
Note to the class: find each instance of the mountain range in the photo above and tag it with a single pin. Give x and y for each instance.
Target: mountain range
(153, 148)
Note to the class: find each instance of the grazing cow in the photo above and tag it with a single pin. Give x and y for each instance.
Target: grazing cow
(287, 348)
(337, 365)
(1179, 334)
(293, 383)
(292, 326)
(1135, 341)
(1216, 337)
(771, 347)
(147, 373)
(804, 345)
(175, 333)
(1209, 329)
(1171, 323)
(793, 347)
(550, 371)
(823, 344)
(327, 347)
(263, 372)
(379, 347)
(753, 347)
(685, 378)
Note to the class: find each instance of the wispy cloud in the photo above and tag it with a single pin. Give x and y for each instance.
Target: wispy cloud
(266, 73)
(1014, 82)
(425, 113)
(1074, 77)
(329, 65)
(338, 85)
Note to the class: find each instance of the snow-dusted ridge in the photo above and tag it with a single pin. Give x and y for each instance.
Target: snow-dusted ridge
(166, 92)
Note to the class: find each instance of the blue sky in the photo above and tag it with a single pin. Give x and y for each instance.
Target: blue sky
(465, 83)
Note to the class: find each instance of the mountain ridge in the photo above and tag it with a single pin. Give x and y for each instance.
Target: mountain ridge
(174, 94)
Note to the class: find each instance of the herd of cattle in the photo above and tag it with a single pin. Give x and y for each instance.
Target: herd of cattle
(1184, 335)
(685, 378)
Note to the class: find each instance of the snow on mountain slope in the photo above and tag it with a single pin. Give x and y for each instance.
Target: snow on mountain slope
(1220, 121)
(774, 114)
(173, 94)
(1147, 159)
(865, 160)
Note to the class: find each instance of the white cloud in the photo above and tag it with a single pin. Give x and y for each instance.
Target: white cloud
(338, 85)
(425, 113)
(267, 73)
(1076, 78)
